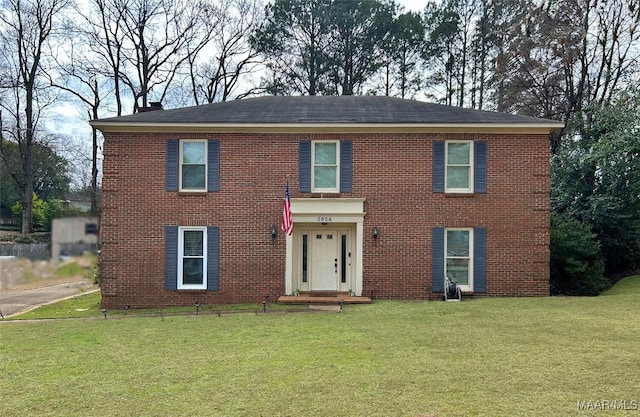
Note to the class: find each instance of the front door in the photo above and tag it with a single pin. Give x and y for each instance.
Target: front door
(324, 260)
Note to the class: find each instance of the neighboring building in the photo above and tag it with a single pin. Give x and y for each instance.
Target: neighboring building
(387, 196)
(72, 236)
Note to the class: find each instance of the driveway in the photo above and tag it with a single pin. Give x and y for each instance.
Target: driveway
(21, 299)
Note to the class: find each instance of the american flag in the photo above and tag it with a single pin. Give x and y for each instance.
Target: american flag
(287, 222)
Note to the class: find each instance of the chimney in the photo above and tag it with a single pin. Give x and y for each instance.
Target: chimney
(153, 106)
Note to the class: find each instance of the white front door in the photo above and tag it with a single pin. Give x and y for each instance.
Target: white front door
(324, 260)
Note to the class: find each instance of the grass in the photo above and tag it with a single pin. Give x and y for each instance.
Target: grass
(70, 269)
(488, 357)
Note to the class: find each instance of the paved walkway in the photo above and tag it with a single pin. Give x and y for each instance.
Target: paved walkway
(19, 300)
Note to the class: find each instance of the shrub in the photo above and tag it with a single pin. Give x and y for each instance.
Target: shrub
(577, 267)
(42, 212)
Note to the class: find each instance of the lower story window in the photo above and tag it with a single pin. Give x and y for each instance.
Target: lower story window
(459, 255)
(192, 258)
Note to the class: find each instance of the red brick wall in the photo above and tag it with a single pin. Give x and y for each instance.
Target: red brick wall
(391, 171)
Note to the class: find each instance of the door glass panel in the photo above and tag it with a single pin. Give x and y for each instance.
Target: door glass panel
(343, 258)
(305, 258)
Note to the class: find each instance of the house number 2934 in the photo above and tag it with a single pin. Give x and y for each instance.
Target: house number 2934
(324, 219)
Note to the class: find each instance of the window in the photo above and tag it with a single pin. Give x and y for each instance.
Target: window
(325, 166)
(192, 258)
(459, 256)
(326, 173)
(458, 167)
(193, 165)
(90, 229)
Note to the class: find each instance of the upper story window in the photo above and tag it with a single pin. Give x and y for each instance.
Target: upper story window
(458, 166)
(192, 258)
(193, 165)
(326, 169)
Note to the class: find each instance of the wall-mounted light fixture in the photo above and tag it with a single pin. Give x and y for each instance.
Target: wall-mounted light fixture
(375, 232)
(274, 233)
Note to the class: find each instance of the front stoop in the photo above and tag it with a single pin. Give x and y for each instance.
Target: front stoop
(323, 298)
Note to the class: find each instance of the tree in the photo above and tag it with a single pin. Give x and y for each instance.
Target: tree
(314, 47)
(142, 44)
(294, 41)
(153, 61)
(359, 29)
(220, 66)
(27, 26)
(401, 54)
(77, 76)
(596, 178)
(50, 175)
(576, 261)
(102, 29)
(561, 55)
(442, 24)
(43, 211)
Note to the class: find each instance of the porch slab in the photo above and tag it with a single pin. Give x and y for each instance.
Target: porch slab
(322, 299)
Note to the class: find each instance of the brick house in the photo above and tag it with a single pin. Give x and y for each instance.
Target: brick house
(387, 197)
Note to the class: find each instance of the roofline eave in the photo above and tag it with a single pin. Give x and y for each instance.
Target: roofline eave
(531, 128)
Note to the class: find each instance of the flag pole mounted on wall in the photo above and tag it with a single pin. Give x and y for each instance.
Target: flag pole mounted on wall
(287, 221)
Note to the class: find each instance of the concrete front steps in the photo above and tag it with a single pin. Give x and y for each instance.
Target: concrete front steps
(323, 297)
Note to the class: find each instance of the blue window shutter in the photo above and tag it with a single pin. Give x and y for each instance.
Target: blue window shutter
(171, 258)
(304, 166)
(213, 165)
(346, 165)
(438, 167)
(480, 259)
(480, 167)
(213, 260)
(437, 259)
(172, 165)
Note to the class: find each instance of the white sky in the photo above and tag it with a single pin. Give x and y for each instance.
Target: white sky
(413, 5)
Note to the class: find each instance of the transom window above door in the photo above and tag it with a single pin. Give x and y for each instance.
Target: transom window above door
(325, 157)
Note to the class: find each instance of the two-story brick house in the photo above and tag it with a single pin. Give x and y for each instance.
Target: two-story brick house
(387, 197)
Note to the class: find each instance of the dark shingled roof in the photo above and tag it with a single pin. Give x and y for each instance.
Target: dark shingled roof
(325, 110)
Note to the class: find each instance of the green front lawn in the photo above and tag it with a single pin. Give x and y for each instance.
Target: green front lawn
(488, 357)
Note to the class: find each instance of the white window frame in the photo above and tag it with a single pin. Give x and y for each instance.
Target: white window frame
(314, 189)
(206, 166)
(181, 285)
(469, 189)
(464, 287)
